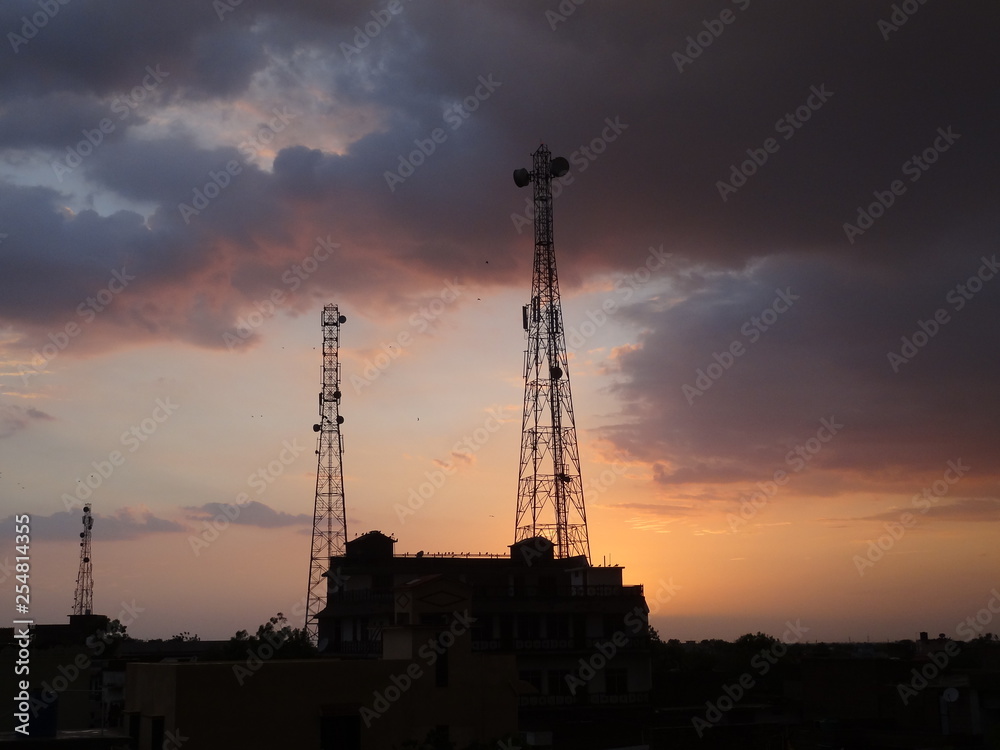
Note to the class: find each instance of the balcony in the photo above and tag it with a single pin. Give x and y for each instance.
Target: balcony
(586, 699)
(553, 644)
(554, 592)
(355, 648)
(360, 595)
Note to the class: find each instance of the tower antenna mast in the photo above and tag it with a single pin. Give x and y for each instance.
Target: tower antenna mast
(83, 598)
(550, 489)
(329, 517)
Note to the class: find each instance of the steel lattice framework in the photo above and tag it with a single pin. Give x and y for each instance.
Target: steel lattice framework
(83, 598)
(329, 517)
(550, 489)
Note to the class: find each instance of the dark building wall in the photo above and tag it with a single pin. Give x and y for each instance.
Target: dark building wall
(559, 617)
(296, 703)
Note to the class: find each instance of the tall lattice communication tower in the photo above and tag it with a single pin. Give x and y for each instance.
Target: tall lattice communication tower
(83, 599)
(329, 517)
(550, 489)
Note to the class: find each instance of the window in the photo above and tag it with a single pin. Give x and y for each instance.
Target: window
(156, 729)
(441, 670)
(340, 732)
(558, 626)
(533, 677)
(557, 682)
(527, 627)
(612, 623)
(506, 626)
(615, 681)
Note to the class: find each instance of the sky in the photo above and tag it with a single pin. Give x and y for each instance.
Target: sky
(777, 250)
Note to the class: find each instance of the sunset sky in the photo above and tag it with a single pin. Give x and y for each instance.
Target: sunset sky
(778, 253)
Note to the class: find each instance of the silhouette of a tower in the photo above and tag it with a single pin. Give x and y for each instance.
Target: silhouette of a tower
(550, 489)
(83, 598)
(329, 517)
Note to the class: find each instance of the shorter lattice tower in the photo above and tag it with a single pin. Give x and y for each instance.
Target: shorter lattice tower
(329, 516)
(83, 599)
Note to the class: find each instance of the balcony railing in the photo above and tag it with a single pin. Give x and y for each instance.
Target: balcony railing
(502, 592)
(364, 648)
(552, 644)
(554, 592)
(361, 595)
(585, 699)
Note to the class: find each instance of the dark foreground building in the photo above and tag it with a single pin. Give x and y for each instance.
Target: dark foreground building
(429, 681)
(579, 637)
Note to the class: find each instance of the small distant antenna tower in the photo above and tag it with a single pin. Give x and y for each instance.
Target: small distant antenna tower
(329, 517)
(83, 599)
(549, 497)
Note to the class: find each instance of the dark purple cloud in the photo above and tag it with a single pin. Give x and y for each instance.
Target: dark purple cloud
(434, 107)
(123, 523)
(252, 513)
(14, 418)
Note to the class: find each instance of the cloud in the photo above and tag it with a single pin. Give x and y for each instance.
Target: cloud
(123, 523)
(661, 509)
(725, 389)
(966, 509)
(359, 116)
(649, 145)
(14, 418)
(252, 513)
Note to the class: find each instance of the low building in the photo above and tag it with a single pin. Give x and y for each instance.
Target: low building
(429, 681)
(579, 635)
